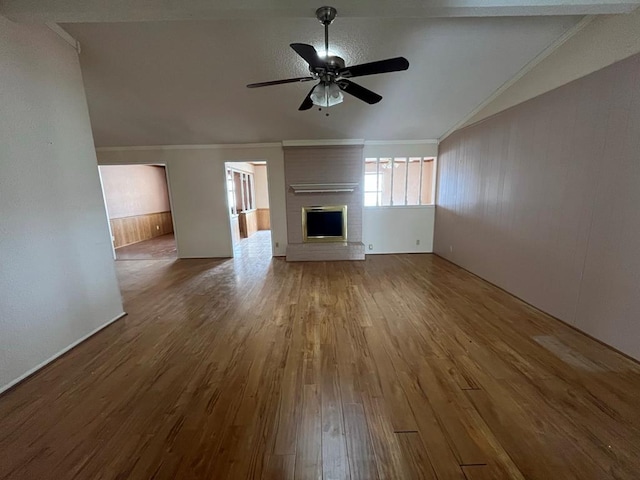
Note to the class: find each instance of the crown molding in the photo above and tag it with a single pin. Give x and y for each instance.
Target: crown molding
(430, 141)
(323, 143)
(64, 35)
(586, 20)
(284, 143)
(224, 146)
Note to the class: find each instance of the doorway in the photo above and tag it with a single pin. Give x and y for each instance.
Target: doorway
(139, 211)
(248, 206)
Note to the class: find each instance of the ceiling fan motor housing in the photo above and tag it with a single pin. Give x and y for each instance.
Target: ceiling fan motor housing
(329, 72)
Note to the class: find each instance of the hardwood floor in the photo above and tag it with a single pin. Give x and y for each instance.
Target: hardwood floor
(398, 367)
(162, 247)
(257, 245)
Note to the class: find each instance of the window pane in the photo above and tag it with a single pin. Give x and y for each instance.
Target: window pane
(427, 181)
(370, 199)
(399, 172)
(237, 188)
(400, 180)
(250, 191)
(370, 165)
(385, 172)
(230, 196)
(413, 182)
(370, 182)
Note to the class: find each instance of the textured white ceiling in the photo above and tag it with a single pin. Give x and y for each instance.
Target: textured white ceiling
(61, 11)
(160, 83)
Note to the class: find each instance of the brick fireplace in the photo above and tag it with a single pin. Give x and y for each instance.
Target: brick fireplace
(324, 176)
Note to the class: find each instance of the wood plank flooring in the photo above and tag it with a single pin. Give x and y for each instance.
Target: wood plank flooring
(157, 248)
(399, 367)
(256, 246)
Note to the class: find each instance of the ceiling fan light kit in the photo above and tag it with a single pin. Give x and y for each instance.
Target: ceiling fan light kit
(332, 73)
(326, 95)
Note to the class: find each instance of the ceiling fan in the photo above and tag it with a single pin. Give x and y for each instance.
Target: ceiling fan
(332, 73)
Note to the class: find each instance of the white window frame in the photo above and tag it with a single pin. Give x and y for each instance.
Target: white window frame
(380, 187)
(247, 190)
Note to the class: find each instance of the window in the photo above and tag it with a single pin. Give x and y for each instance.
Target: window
(398, 181)
(372, 189)
(231, 192)
(240, 191)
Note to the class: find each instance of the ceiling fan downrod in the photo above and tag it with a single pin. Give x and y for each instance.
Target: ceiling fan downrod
(326, 15)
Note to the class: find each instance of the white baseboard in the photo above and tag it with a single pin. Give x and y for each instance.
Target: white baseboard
(61, 352)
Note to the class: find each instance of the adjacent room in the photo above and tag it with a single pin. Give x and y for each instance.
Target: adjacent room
(248, 203)
(137, 204)
(380, 240)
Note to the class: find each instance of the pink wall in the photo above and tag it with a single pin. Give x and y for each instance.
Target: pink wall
(262, 187)
(132, 190)
(543, 200)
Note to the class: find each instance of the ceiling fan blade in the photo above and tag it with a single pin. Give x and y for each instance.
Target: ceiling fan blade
(309, 54)
(358, 91)
(381, 66)
(279, 82)
(307, 103)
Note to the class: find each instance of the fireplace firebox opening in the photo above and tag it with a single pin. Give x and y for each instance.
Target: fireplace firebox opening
(324, 223)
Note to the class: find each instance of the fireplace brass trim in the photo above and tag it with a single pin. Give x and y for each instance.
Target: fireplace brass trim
(325, 208)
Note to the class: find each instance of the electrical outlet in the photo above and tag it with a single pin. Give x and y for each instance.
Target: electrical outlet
(277, 244)
(418, 242)
(157, 227)
(451, 248)
(371, 246)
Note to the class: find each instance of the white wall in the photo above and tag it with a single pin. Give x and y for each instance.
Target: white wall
(57, 275)
(198, 192)
(198, 197)
(397, 229)
(606, 40)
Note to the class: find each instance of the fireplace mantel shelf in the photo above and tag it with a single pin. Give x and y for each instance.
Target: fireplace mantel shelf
(323, 187)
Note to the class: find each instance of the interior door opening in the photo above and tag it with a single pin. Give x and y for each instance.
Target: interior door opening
(248, 202)
(139, 211)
